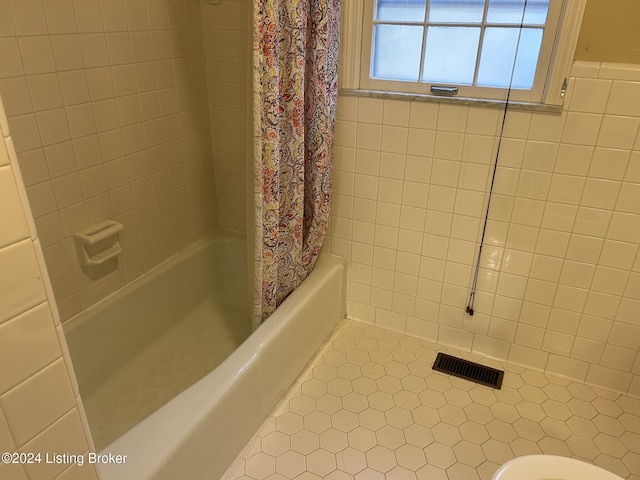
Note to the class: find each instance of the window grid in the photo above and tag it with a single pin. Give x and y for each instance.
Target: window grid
(557, 47)
(425, 24)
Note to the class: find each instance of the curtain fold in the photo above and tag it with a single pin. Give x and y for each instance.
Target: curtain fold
(295, 68)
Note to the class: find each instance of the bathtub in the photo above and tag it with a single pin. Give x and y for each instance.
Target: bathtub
(201, 430)
(140, 347)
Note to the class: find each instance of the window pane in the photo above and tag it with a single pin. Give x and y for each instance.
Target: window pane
(404, 10)
(456, 11)
(396, 52)
(510, 11)
(450, 54)
(498, 51)
(527, 58)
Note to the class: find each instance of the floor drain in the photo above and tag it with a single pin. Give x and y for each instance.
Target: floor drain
(468, 370)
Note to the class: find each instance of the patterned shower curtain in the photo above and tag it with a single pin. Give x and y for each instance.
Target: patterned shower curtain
(295, 90)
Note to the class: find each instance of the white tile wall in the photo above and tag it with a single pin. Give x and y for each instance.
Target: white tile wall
(228, 65)
(559, 284)
(107, 102)
(40, 407)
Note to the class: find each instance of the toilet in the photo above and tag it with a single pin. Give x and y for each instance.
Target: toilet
(551, 467)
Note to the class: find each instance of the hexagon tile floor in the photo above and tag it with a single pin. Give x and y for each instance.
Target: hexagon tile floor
(369, 407)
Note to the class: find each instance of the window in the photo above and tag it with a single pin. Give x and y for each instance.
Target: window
(467, 48)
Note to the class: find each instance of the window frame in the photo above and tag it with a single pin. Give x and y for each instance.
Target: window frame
(355, 55)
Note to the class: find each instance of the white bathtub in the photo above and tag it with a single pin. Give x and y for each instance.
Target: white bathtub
(140, 347)
(198, 433)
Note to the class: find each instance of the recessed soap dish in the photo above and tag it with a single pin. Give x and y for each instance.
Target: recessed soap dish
(98, 243)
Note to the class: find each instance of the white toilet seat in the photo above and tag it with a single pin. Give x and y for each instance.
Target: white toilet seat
(551, 467)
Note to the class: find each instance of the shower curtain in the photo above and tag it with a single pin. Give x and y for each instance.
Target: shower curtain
(295, 48)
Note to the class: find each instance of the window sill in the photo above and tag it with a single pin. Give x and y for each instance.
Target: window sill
(475, 102)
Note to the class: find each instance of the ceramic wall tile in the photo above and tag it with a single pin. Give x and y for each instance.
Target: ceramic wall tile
(564, 204)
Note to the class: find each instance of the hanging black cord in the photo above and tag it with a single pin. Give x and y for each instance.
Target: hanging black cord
(474, 283)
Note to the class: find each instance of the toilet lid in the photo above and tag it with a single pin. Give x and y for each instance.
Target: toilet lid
(551, 467)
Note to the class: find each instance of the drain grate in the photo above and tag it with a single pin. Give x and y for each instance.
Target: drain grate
(468, 370)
